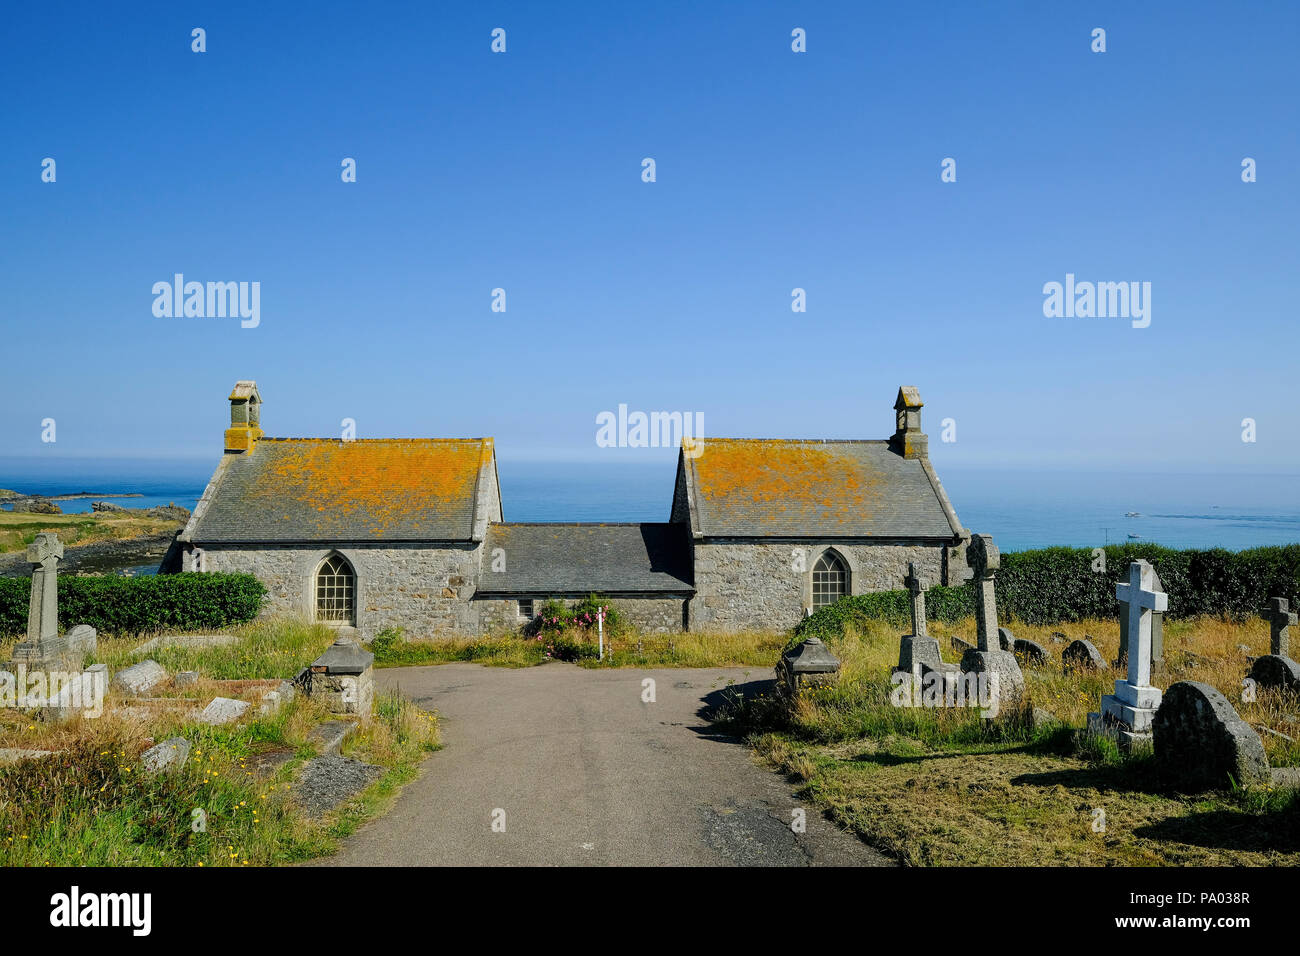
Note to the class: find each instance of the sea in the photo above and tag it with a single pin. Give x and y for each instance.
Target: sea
(1021, 508)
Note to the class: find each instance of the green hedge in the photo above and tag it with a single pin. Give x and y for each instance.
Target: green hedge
(1054, 585)
(120, 605)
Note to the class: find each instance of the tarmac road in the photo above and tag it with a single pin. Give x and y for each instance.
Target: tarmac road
(584, 773)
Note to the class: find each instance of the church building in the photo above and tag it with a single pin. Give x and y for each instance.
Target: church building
(411, 533)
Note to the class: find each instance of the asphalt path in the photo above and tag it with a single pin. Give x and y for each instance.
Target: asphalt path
(561, 766)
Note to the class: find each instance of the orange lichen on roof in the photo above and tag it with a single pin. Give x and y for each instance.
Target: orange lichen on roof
(783, 475)
(379, 484)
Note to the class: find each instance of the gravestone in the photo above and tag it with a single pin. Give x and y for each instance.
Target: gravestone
(1006, 640)
(344, 678)
(916, 586)
(223, 710)
(808, 664)
(44, 649)
(1201, 741)
(918, 653)
(1084, 655)
(1157, 632)
(1032, 652)
(1128, 713)
(169, 755)
(139, 678)
(1277, 669)
(988, 658)
(44, 553)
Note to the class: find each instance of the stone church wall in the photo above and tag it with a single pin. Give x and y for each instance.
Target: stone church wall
(744, 585)
(650, 614)
(424, 590)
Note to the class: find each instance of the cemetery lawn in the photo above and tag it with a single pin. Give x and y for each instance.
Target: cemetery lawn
(93, 803)
(19, 529)
(942, 787)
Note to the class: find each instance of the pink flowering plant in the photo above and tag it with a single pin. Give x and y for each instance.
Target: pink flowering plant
(569, 632)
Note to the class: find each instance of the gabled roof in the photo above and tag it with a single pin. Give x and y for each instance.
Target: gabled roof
(321, 489)
(744, 487)
(558, 559)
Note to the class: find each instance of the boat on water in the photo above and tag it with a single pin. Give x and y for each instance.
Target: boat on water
(1135, 535)
(1132, 514)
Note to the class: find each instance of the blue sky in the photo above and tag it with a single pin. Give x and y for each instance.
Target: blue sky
(775, 170)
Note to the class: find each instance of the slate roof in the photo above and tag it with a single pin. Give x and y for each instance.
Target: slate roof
(321, 489)
(557, 559)
(741, 487)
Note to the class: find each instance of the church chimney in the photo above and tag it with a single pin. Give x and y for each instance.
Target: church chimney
(909, 441)
(245, 409)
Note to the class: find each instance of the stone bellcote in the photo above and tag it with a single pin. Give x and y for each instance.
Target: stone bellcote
(909, 441)
(245, 415)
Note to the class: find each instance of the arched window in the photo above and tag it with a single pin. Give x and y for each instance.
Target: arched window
(336, 591)
(830, 580)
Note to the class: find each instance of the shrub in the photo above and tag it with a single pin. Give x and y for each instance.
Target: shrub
(555, 617)
(119, 605)
(1055, 585)
(382, 644)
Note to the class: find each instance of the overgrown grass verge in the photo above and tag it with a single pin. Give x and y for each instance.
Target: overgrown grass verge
(92, 803)
(945, 787)
(95, 805)
(267, 648)
(753, 649)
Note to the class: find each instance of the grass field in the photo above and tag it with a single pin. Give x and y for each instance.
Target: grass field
(18, 530)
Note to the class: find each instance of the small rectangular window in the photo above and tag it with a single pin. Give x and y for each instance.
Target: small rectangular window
(526, 609)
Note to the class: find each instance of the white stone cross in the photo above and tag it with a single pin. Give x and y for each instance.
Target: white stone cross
(1142, 599)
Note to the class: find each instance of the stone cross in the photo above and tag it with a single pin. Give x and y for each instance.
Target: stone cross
(43, 614)
(916, 585)
(983, 557)
(1142, 599)
(1280, 617)
(1157, 630)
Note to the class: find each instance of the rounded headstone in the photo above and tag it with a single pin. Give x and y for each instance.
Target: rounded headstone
(1201, 741)
(1083, 654)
